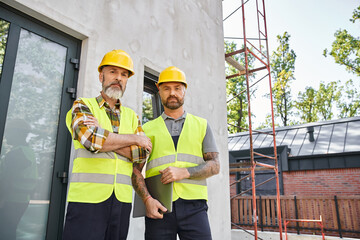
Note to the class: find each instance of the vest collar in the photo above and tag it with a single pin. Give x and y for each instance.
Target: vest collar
(164, 116)
(102, 103)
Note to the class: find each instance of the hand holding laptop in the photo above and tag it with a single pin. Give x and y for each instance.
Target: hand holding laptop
(161, 199)
(154, 209)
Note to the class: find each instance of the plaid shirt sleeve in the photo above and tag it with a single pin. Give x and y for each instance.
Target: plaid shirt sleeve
(138, 154)
(92, 138)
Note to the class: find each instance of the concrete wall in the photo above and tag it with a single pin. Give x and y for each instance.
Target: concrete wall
(157, 34)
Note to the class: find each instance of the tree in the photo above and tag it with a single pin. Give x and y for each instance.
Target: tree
(237, 108)
(350, 106)
(325, 98)
(346, 48)
(147, 109)
(267, 123)
(4, 28)
(307, 105)
(283, 66)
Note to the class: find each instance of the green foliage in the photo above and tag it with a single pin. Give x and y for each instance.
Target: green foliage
(314, 105)
(267, 123)
(350, 106)
(346, 48)
(237, 108)
(4, 28)
(147, 109)
(356, 15)
(283, 66)
(307, 105)
(325, 98)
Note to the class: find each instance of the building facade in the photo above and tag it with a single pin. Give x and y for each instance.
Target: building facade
(49, 54)
(319, 167)
(315, 159)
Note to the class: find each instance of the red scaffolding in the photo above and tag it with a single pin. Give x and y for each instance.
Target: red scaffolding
(320, 222)
(258, 48)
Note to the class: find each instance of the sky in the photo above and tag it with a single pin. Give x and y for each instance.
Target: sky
(311, 25)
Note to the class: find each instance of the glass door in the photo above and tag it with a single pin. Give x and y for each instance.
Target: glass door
(34, 146)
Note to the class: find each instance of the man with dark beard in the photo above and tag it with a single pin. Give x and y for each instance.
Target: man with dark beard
(107, 138)
(184, 152)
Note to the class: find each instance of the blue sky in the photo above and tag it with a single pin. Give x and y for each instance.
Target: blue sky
(311, 24)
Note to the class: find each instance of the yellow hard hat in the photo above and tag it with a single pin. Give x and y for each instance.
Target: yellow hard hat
(118, 58)
(172, 74)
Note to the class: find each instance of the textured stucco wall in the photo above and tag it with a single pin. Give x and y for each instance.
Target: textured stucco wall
(157, 34)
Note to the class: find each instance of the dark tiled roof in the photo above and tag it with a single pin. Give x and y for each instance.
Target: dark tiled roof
(335, 136)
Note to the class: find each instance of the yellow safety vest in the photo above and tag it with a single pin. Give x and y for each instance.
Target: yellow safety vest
(188, 154)
(96, 175)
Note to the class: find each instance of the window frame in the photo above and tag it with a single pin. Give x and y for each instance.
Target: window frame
(150, 81)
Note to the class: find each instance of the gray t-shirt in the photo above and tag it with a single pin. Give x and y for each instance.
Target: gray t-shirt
(174, 127)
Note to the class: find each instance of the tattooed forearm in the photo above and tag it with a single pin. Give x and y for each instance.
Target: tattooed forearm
(209, 168)
(138, 181)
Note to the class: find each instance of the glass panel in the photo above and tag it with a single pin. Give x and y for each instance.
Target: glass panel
(28, 150)
(4, 29)
(147, 107)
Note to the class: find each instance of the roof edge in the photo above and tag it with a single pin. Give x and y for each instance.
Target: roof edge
(322, 123)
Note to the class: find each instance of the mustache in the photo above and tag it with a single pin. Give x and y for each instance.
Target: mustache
(170, 97)
(116, 83)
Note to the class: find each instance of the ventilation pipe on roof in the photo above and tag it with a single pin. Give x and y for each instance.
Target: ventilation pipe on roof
(310, 131)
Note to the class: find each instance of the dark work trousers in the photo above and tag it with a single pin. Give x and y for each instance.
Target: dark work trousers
(188, 219)
(108, 220)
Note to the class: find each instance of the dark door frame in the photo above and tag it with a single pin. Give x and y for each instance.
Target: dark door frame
(17, 21)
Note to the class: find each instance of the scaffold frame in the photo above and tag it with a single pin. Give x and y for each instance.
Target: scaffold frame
(261, 54)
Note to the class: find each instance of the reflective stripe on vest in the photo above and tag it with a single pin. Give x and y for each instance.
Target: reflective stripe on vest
(201, 182)
(100, 178)
(123, 179)
(83, 153)
(160, 161)
(95, 176)
(188, 154)
(183, 157)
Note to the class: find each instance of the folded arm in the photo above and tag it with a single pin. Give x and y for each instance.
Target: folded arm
(96, 139)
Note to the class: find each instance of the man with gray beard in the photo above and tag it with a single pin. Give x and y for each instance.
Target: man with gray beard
(107, 138)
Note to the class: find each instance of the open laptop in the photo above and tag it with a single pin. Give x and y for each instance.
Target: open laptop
(158, 190)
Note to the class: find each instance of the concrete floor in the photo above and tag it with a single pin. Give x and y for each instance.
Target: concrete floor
(241, 235)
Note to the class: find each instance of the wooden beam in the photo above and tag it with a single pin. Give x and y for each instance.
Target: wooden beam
(243, 72)
(234, 52)
(235, 64)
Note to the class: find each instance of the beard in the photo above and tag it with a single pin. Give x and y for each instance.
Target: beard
(173, 105)
(113, 92)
